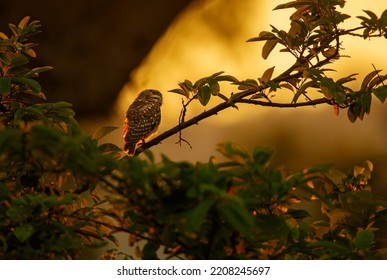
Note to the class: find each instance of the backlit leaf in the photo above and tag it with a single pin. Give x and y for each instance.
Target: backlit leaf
(267, 75)
(381, 93)
(22, 24)
(268, 47)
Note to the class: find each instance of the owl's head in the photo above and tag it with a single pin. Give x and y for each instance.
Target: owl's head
(151, 96)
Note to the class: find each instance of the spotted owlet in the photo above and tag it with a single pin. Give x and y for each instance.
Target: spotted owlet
(142, 119)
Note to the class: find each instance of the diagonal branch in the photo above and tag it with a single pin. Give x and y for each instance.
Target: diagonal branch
(220, 107)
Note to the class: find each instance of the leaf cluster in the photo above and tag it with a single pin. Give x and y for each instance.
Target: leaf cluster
(243, 208)
(314, 40)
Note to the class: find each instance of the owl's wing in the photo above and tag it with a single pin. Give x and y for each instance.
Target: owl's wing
(141, 122)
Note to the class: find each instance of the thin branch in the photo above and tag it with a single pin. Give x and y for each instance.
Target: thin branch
(287, 105)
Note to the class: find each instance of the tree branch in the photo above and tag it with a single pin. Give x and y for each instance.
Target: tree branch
(220, 107)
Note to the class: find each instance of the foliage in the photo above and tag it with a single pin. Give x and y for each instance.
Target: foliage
(48, 169)
(62, 192)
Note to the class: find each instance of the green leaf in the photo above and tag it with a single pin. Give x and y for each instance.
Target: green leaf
(18, 61)
(32, 84)
(298, 213)
(204, 94)
(367, 79)
(6, 59)
(234, 152)
(262, 155)
(102, 132)
(268, 47)
(196, 216)
(34, 72)
(23, 232)
(149, 251)
(14, 29)
(366, 102)
(236, 214)
(364, 238)
(5, 85)
(381, 93)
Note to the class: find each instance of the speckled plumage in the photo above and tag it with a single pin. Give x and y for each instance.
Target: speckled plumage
(142, 119)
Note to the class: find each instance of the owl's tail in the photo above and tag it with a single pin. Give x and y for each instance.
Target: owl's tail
(130, 148)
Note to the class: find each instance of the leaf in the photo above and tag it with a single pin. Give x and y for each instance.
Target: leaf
(215, 75)
(381, 93)
(19, 60)
(30, 52)
(267, 75)
(364, 238)
(179, 91)
(302, 90)
(149, 251)
(14, 29)
(298, 213)
(196, 216)
(5, 85)
(234, 152)
(34, 72)
(263, 36)
(3, 36)
(248, 84)
(102, 132)
(6, 59)
(351, 113)
(22, 24)
(227, 78)
(29, 98)
(293, 4)
(366, 102)
(318, 194)
(23, 232)
(204, 94)
(32, 84)
(214, 87)
(287, 86)
(268, 47)
(236, 214)
(262, 155)
(367, 79)
(372, 15)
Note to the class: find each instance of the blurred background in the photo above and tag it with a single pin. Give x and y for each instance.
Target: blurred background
(105, 52)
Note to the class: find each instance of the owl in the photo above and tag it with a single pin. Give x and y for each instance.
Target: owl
(142, 119)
